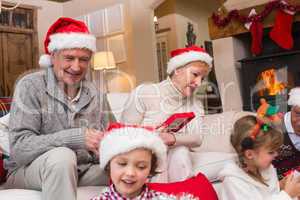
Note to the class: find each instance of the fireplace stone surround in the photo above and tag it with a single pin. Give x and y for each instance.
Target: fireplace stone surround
(236, 69)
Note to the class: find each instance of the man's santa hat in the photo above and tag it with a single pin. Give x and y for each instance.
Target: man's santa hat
(125, 139)
(181, 57)
(66, 33)
(294, 97)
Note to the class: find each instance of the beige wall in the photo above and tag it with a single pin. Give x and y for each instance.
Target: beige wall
(169, 21)
(165, 8)
(141, 64)
(227, 51)
(48, 12)
(241, 4)
(196, 12)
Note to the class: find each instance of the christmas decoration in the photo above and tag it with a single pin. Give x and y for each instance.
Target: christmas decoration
(256, 30)
(281, 32)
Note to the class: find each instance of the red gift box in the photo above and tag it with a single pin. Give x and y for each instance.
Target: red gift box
(173, 124)
(176, 121)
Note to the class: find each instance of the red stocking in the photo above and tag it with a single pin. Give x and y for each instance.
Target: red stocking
(256, 30)
(281, 32)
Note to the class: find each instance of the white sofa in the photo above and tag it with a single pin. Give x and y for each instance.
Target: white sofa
(214, 152)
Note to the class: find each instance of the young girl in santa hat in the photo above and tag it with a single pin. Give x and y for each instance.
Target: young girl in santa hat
(130, 156)
(254, 177)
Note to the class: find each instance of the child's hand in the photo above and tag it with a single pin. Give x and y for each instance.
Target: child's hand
(292, 185)
(282, 183)
(168, 138)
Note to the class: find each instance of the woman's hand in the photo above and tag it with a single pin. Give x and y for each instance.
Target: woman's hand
(168, 138)
(292, 185)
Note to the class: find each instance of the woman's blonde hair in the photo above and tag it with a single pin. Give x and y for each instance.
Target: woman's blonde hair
(241, 140)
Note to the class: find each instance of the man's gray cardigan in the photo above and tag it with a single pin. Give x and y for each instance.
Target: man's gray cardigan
(42, 119)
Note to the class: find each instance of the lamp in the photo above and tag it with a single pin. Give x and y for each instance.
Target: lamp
(10, 8)
(103, 61)
(155, 23)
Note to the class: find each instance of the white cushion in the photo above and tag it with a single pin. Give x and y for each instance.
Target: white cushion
(4, 121)
(216, 130)
(83, 193)
(211, 163)
(18, 194)
(117, 102)
(218, 186)
(4, 143)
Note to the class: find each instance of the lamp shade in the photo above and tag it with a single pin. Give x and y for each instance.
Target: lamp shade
(103, 60)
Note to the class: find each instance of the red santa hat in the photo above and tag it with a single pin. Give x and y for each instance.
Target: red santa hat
(294, 97)
(181, 57)
(127, 138)
(66, 33)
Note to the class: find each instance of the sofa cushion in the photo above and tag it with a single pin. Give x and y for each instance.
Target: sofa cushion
(211, 163)
(83, 193)
(4, 145)
(117, 102)
(5, 105)
(216, 130)
(198, 186)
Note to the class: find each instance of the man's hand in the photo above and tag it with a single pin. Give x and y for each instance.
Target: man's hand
(92, 140)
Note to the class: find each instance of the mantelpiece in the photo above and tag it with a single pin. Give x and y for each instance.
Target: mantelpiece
(235, 28)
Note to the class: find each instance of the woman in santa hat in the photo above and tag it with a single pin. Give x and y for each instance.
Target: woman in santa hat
(152, 104)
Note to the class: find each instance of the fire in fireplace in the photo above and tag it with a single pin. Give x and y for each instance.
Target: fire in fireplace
(272, 74)
(270, 84)
(269, 77)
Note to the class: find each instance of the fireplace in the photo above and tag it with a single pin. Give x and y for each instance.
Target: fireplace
(270, 75)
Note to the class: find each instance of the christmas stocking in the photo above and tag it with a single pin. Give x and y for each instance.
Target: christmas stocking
(281, 32)
(256, 30)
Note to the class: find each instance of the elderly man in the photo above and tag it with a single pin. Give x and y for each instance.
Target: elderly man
(289, 153)
(57, 118)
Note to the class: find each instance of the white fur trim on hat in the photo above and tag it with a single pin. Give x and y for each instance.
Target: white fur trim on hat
(60, 41)
(294, 99)
(123, 140)
(45, 60)
(187, 57)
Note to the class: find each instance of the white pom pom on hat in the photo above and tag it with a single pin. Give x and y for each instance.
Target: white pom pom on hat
(294, 97)
(45, 60)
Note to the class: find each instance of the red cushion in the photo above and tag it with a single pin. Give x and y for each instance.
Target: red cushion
(5, 103)
(2, 171)
(199, 186)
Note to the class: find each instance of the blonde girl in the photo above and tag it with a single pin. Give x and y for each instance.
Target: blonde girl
(253, 177)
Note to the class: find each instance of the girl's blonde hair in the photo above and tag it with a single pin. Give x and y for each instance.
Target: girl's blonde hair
(272, 138)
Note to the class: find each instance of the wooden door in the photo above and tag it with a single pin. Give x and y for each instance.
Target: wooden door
(162, 55)
(18, 45)
(17, 58)
(2, 87)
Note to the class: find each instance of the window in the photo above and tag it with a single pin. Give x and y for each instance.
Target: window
(108, 26)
